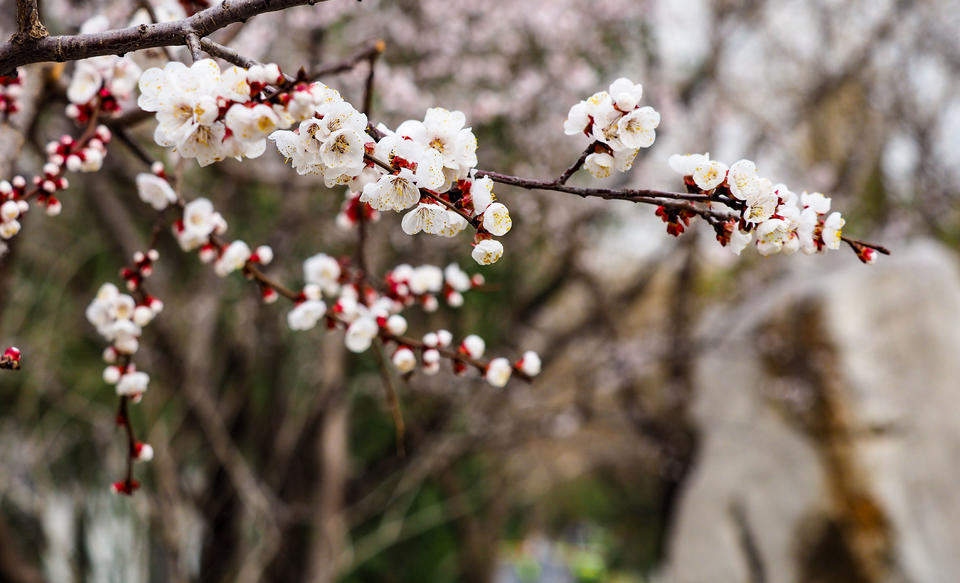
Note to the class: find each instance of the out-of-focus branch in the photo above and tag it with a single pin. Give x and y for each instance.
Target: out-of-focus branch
(13, 567)
(392, 397)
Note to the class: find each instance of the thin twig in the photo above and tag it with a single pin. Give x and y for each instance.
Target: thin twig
(562, 179)
(193, 43)
(393, 400)
(855, 242)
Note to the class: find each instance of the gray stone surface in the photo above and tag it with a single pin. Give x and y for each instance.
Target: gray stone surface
(830, 415)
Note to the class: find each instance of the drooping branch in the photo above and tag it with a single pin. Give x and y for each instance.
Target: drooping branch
(123, 40)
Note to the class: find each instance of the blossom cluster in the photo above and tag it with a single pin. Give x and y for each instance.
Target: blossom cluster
(120, 319)
(424, 166)
(367, 314)
(618, 125)
(771, 216)
(211, 115)
(200, 226)
(103, 83)
(10, 89)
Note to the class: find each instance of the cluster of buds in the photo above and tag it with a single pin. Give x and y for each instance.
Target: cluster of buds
(67, 153)
(84, 155)
(10, 359)
(436, 347)
(120, 319)
(677, 220)
(366, 314)
(422, 285)
(10, 89)
(616, 123)
(141, 269)
(199, 228)
(13, 206)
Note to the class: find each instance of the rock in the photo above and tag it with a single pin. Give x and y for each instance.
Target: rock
(830, 431)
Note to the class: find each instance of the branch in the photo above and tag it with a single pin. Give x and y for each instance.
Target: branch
(562, 179)
(193, 43)
(29, 27)
(123, 40)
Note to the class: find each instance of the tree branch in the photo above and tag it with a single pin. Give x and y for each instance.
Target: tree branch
(29, 27)
(123, 40)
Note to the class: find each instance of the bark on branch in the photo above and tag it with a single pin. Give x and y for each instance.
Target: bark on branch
(123, 40)
(29, 27)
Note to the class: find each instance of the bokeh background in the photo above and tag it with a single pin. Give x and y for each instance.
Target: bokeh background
(701, 417)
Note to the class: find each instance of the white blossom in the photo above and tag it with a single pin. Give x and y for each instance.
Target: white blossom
(444, 131)
(428, 217)
(111, 375)
(251, 123)
(133, 384)
(360, 334)
(305, 315)
(599, 164)
(637, 128)
(457, 278)
(323, 271)
(455, 224)
(833, 230)
(234, 257)
(473, 346)
(396, 324)
(739, 240)
(771, 236)
(496, 219)
(815, 201)
(487, 251)
(686, 164)
(155, 191)
(481, 191)
(426, 278)
(743, 179)
(530, 363)
(709, 174)
(498, 372)
(761, 204)
(404, 359)
(625, 93)
(394, 192)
